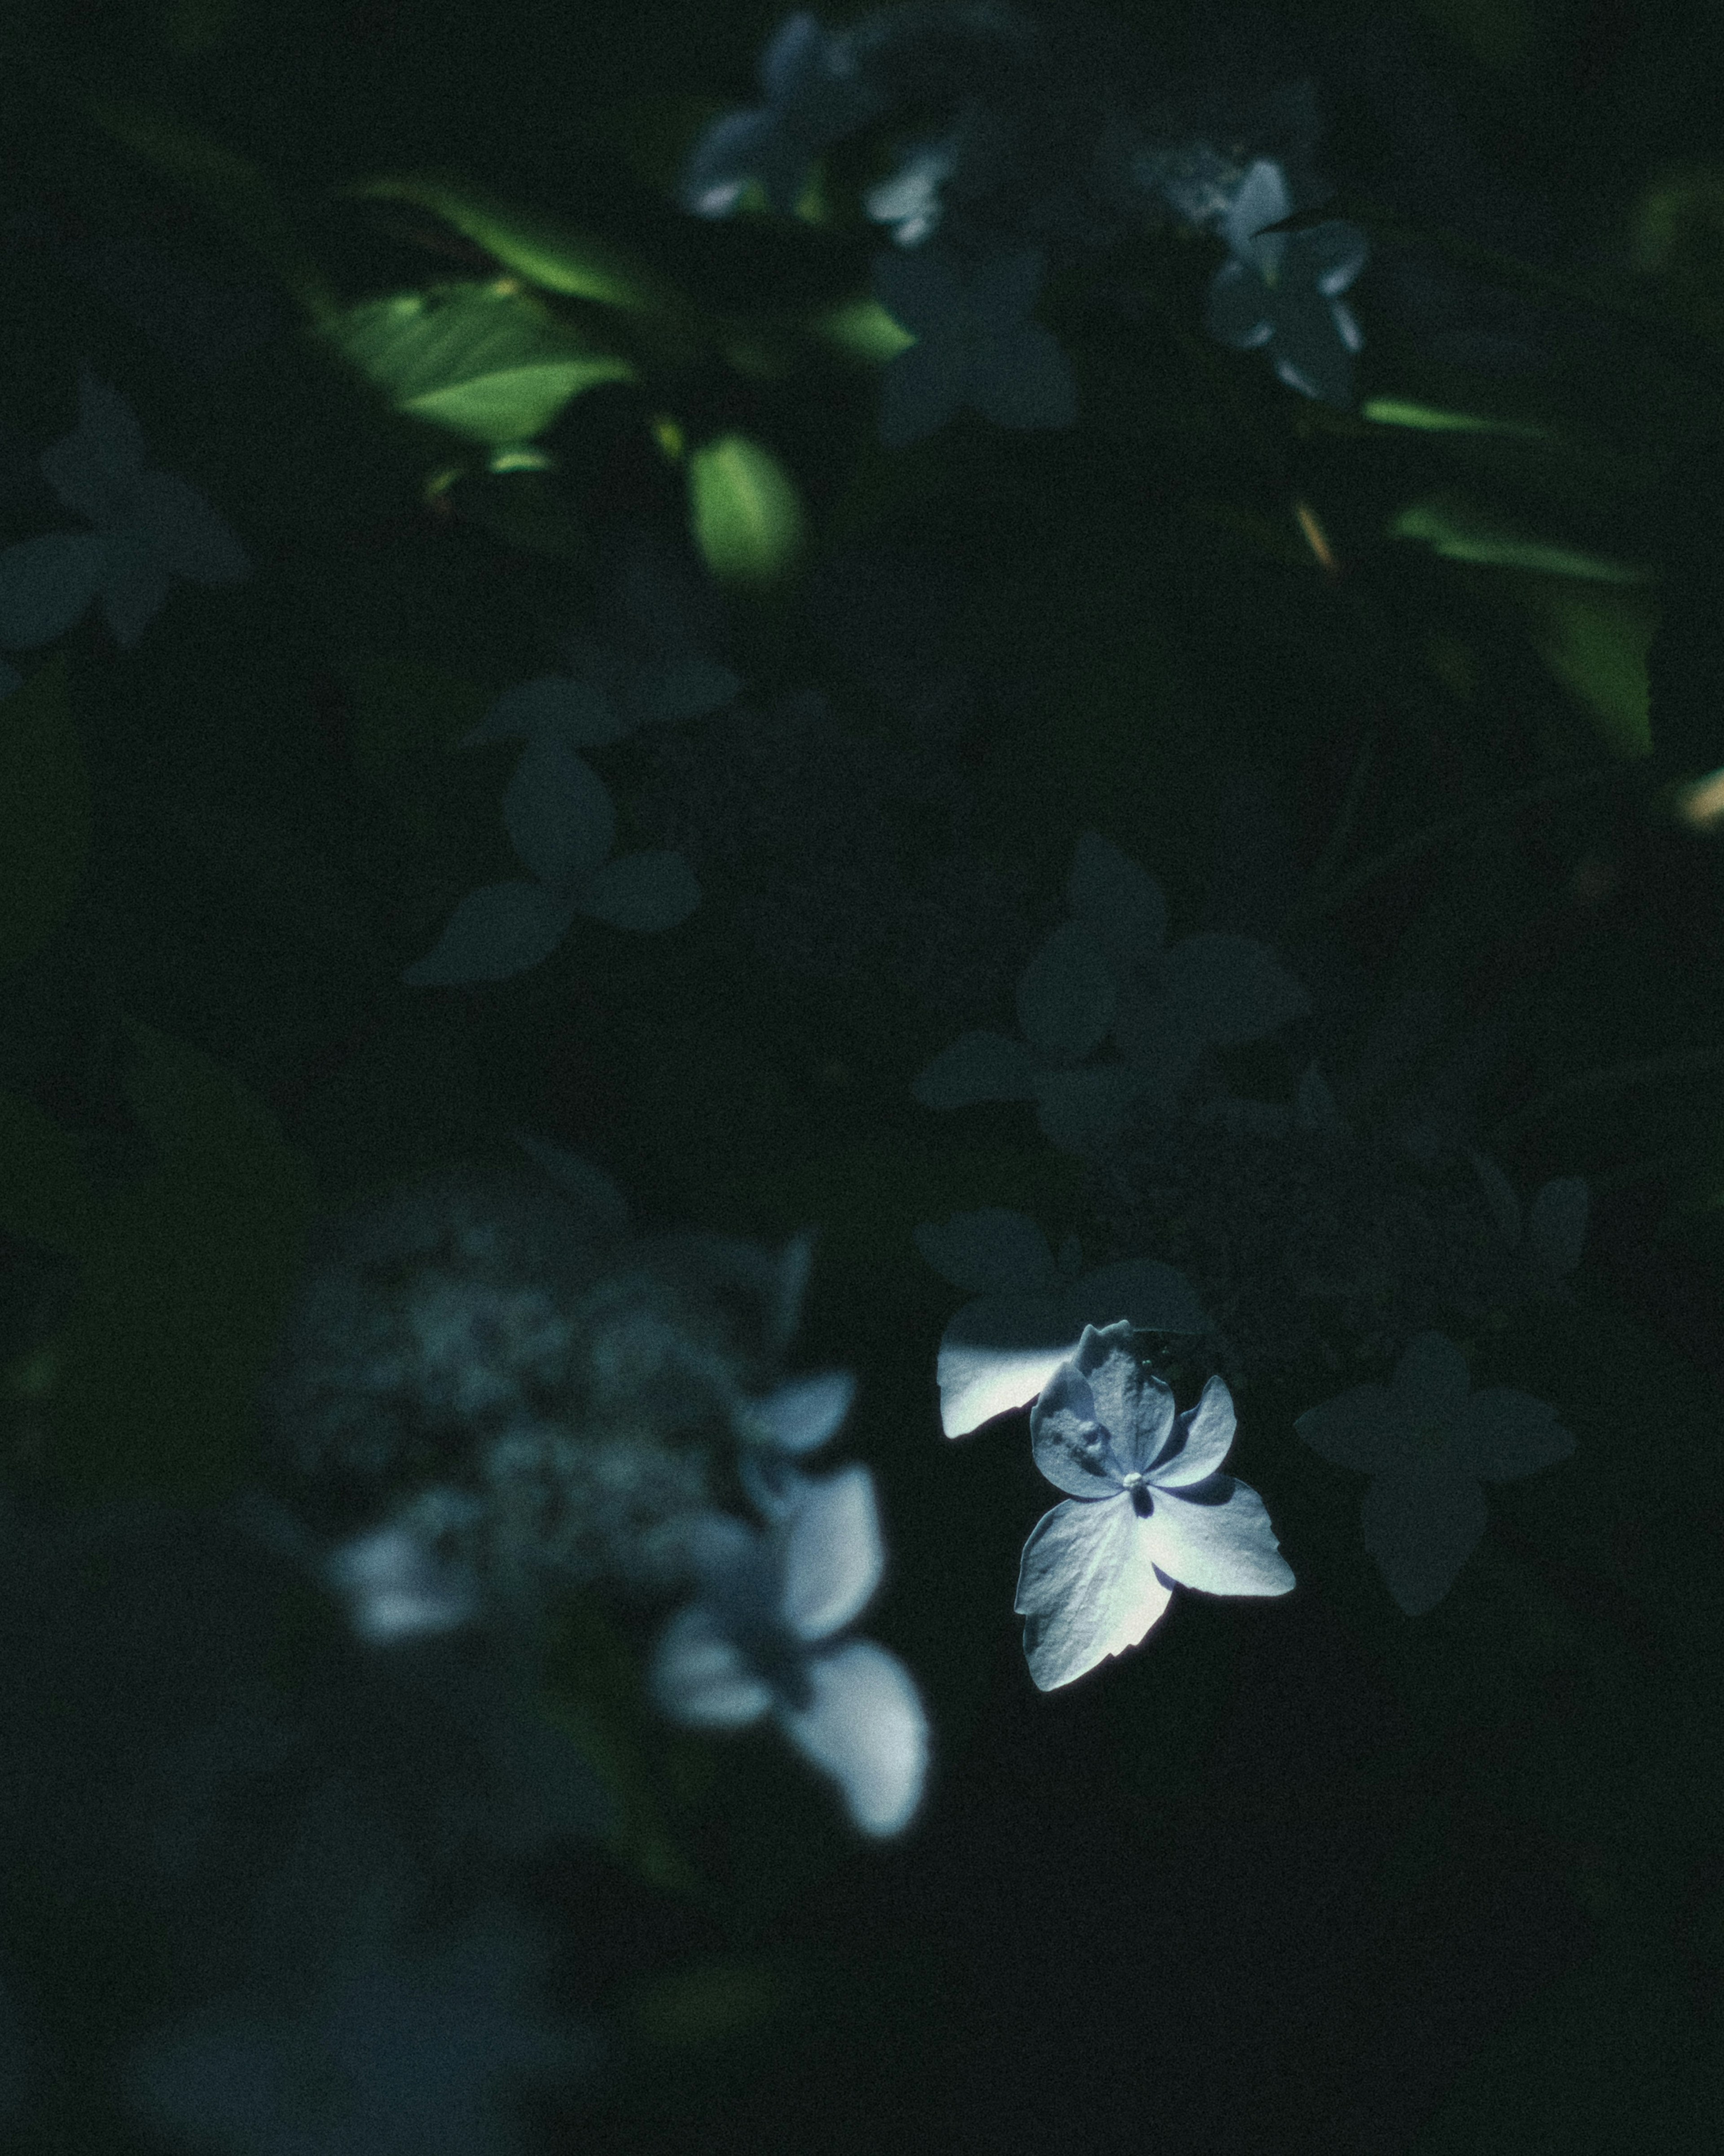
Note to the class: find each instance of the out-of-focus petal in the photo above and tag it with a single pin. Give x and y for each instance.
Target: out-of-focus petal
(1234, 987)
(997, 1354)
(834, 1556)
(134, 587)
(1021, 377)
(558, 813)
(499, 930)
(1088, 1586)
(799, 1416)
(1421, 1526)
(699, 1676)
(1120, 904)
(1505, 1434)
(1353, 1429)
(919, 392)
(1066, 995)
(47, 583)
(977, 1066)
(1238, 311)
(189, 538)
(94, 469)
(1431, 1381)
(868, 1729)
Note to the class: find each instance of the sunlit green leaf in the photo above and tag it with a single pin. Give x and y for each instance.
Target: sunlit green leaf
(541, 249)
(744, 511)
(1452, 525)
(865, 330)
(44, 812)
(484, 361)
(1393, 412)
(1596, 642)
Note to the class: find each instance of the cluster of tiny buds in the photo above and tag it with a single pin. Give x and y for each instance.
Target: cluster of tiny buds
(481, 1396)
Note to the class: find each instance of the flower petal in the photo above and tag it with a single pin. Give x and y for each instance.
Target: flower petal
(46, 583)
(1421, 1525)
(1088, 1585)
(94, 469)
(1431, 1381)
(799, 1417)
(1021, 377)
(1235, 988)
(1506, 1433)
(499, 930)
(701, 1676)
(1120, 904)
(134, 586)
(919, 391)
(868, 1729)
(834, 1556)
(1199, 1440)
(1066, 995)
(1359, 1428)
(1075, 1428)
(189, 538)
(559, 813)
(1237, 311)
(997, 1354)
(1227, 1547)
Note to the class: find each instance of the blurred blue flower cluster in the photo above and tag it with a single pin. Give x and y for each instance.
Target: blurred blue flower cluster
(1058, 146)
(492, 1391)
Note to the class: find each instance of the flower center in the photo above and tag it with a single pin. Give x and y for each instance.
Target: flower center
(1136, 1487)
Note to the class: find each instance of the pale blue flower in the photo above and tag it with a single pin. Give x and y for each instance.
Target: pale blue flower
(1148, 1509)
(1030, 1311)
(1283, 289)
(1428, 1442)
(816, 94)
(975, 345)
(910, 200)
(764, 1640)
(149, 527)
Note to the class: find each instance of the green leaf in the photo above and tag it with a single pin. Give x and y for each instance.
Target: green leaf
(45, 788)
(1454, 526)
(184, 1285)
(229, 186)
(46, 1195)
(1596, 642)
(865, 330)
(744, 511)
(484, 362)
(1393, 412)
(536, 247)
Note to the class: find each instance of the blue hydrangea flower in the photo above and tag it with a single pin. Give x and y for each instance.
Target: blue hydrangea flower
(1148, 1508)
(763, 1639)
(1428, 1442)
(1030, 1310)
(910, 200)
(975, 345)
(149, 526)
(815, 95)
(1283, 289)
